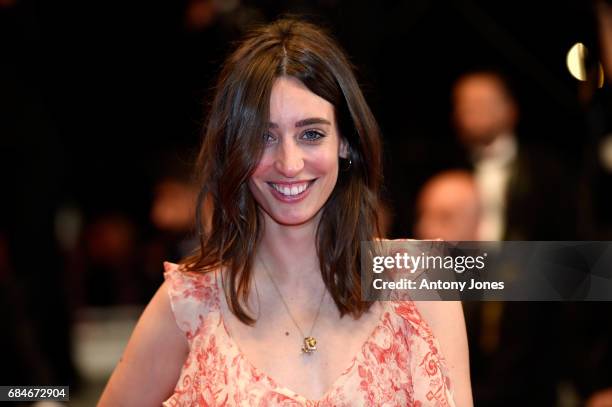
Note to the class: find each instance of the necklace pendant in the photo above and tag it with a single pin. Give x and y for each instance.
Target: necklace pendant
(310, 345)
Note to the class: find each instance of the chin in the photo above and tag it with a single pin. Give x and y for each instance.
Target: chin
(292, 219)
(293, 216)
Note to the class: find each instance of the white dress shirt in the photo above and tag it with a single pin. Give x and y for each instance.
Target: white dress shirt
(492, 169)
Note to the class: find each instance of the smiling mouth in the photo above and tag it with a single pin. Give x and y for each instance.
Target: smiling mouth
(293, 190)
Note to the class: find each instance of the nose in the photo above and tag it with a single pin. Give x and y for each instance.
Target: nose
(289, 158)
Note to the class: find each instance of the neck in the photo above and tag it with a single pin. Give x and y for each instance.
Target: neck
(502, 146)
(289, 252)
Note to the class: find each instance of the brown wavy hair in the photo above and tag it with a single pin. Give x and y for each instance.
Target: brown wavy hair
(232, 147)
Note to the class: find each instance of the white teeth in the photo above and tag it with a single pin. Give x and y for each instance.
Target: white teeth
(291, 191)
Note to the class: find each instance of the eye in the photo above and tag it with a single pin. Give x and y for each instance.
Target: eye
(312, 135)
(269, 138)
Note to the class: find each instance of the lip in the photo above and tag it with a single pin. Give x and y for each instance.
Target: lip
(294, 198)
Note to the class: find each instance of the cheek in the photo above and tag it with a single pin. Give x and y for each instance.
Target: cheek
(263, 168)
(325, 164)
(256, 179)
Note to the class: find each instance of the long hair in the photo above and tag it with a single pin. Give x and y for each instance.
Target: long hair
(232, 147)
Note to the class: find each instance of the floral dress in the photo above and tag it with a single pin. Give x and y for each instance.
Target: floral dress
(398, 365)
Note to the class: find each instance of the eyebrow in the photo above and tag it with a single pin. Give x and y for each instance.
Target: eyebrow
(306, 122)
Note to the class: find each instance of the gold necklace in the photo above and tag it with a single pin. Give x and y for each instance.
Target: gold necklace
(309, 342)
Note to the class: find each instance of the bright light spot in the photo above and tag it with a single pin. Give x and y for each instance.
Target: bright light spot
(605, 152)
(575, 61)
(576, 64)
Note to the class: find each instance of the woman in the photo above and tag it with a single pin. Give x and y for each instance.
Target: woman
(269, 310)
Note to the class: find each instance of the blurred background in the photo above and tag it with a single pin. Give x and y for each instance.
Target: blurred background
(497, 124)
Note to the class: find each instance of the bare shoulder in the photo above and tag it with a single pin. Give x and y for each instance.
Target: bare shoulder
(151, 363)
(445, 318)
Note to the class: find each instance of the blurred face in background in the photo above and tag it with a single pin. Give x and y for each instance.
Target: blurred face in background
(483, 109)
(173, 206)
(448, 208)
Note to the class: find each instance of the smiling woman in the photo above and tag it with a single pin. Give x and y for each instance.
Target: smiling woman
(269, 310)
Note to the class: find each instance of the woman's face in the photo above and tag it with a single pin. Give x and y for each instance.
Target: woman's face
(299, 167)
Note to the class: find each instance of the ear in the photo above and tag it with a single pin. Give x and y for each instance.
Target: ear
(344, 148)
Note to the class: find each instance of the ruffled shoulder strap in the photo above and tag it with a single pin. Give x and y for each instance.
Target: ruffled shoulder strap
(430, 377)
(192, 297)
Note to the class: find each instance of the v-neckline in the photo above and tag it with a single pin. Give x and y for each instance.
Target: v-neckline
(282, 388)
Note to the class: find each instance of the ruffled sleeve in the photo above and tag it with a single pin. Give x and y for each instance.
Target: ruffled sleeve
(192, 295)
(430, 379)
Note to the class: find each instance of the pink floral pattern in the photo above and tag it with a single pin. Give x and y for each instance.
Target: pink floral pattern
(398, 365)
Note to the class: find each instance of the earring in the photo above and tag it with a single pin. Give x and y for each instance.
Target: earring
(345, 164)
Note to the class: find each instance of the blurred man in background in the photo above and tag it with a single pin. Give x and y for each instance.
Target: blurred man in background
(520, 184)
(510, 194)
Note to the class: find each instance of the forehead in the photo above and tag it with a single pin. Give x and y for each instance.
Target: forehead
(450, 190)
(480, 85)
(291, 101)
